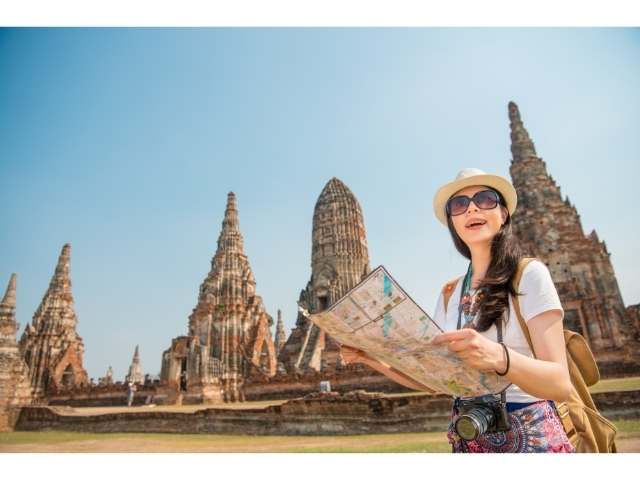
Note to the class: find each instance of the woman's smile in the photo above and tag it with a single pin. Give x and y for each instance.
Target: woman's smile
(476, 226)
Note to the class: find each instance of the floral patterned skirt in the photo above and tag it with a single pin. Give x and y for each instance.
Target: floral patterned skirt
(535, 428)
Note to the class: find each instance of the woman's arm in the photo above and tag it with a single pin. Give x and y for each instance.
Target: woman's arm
(353, 355)
(545, 377)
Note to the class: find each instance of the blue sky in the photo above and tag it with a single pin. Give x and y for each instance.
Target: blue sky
(125, 142)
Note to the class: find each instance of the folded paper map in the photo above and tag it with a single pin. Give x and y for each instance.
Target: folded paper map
(379, 318)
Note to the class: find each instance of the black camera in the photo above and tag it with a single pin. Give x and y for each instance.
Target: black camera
(479, 415)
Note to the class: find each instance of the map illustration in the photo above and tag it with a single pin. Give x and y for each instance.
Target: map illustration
(378, 317)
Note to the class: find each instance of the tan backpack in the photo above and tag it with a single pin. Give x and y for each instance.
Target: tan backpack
(587, 430)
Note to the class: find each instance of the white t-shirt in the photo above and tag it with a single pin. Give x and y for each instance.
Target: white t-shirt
(538, 295)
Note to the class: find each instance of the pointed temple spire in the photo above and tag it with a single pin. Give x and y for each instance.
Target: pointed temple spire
(230, 238)
(229, 328)
(9, 300)
(61, 279)
(135, 374)
(59, 289)
(521, 145)
(280, 337)
(549, 228)
(52, 335)
(8, 325)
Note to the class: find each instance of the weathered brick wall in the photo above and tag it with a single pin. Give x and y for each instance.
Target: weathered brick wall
(618, 369)
(111, 396)
(15, 390)
(330, 414)
(318, 414)
(633, 314)
(291, 386)
(618, 405)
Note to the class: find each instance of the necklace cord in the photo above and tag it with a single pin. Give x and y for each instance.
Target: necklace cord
(464, 290)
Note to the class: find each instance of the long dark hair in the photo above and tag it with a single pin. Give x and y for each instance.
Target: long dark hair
(497, 283)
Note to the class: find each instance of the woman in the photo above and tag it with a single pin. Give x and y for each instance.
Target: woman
(477, 209)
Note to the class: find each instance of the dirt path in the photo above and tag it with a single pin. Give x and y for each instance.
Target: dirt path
(85, 411)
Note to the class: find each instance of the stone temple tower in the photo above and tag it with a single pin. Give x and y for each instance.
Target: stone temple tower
(549, 228)
(50, 345)
(229, 329)
(339, 260)
(15, 388)
(280, 337)
(135, 374)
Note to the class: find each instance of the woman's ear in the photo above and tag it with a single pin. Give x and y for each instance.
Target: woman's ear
(504, 212)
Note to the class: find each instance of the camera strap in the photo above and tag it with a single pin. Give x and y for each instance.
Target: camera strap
(466, 285)
(503, 394)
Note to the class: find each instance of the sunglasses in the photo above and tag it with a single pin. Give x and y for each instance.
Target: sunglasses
(484, 200)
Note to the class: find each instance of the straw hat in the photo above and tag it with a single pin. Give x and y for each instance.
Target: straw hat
(469, 177)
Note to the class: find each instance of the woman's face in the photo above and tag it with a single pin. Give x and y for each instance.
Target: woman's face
(481, 234)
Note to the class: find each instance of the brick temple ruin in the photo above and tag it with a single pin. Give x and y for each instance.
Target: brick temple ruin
(229, 352)
(135, 374)
(549, 228)
(229, 335)
(50, 345)
(15, 387)
(339, 260)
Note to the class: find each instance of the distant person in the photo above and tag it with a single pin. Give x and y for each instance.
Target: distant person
(131, 391)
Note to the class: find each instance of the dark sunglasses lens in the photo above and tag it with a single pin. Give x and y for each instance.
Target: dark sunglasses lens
(486, 199)
(458, 205)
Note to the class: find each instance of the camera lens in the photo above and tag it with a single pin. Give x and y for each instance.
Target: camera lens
(466, 428)
(474, 423)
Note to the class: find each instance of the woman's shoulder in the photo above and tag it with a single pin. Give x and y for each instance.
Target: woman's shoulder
(537, 290)
(535, 268)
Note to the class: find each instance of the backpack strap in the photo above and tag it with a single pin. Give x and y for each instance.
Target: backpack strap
(447, 291)
(516, 304)
(587, 435)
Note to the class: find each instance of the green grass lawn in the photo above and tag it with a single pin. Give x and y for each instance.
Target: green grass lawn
(53, 441)
(628, 426)
(628, 441)
(616, 385)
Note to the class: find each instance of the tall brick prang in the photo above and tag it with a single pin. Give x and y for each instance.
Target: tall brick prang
(281, 336)
(339, 260)
(50, 345)
(135, 374)
(549, 228)
(15, 389)
(229, 335)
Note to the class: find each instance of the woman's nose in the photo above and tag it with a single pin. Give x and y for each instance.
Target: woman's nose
(472, 207)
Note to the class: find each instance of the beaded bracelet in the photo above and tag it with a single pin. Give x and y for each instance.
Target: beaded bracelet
(506, 352)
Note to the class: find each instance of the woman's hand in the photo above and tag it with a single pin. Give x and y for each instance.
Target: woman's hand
(474, 349)
(352, 355)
